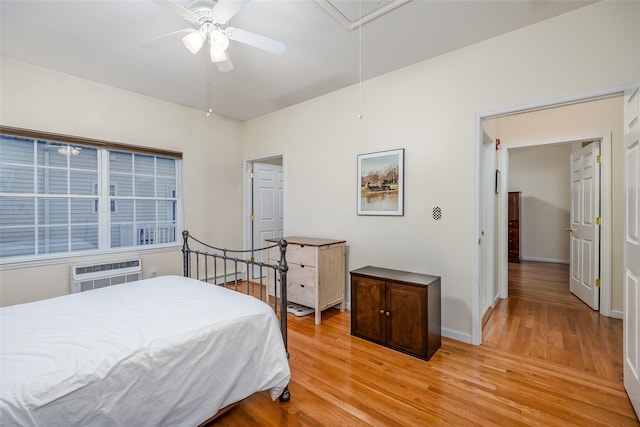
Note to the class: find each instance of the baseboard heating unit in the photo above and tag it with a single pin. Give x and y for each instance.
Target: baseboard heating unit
(94, 276)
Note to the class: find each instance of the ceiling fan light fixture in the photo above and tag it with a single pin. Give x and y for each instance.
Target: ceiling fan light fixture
(65, 149)
(194, 41)
(218, 40)
(217, 55)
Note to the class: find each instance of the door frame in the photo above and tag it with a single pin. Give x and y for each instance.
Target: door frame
(476, 292)
(604, 139)
(247, 165)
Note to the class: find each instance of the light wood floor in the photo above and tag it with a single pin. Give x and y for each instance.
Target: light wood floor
(547, 359)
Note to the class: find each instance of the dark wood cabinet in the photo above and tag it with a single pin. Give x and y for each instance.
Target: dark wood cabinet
(397, 309)
(513, 226)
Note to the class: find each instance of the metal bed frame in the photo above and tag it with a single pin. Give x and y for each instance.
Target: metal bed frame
(209, 261)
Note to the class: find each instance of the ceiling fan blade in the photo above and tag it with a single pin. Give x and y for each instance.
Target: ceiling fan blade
(256, 40)
(165, 38)
(176, 8)
(226, 65)
(225, 9)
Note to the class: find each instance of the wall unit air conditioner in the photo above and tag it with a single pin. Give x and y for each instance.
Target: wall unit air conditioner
(94, 276)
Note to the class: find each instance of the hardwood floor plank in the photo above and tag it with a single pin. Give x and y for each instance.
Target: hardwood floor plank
(546, 360)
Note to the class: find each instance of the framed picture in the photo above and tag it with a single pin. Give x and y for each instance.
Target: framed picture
(381, 183)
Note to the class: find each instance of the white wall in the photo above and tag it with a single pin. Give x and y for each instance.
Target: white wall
(430, 109)
(541, 174)
(46, 100)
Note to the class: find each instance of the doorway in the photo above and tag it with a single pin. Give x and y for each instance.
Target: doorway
(604, 259)
(576, 120)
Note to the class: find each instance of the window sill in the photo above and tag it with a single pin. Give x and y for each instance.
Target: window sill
(78, 258)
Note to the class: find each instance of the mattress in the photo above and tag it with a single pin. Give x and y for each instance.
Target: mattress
(163, 351)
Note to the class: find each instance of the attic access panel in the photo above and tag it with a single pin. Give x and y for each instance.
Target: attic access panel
(347, 12)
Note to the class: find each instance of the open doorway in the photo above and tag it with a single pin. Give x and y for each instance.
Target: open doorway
(549, 223)
(559, 204)
(598, 119)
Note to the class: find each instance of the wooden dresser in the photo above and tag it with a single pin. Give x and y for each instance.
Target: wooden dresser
(513, 226)
(397, 309)
(316, 276)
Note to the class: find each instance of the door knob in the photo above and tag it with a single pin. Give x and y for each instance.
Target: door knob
(569, 229)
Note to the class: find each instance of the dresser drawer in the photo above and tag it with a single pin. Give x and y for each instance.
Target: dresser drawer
(302, 255)
(301, 294)
(300, 273)
(296, 274)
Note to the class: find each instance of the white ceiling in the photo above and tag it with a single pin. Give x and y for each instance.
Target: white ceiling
(101, 41)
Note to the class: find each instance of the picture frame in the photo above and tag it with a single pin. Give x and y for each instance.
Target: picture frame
(380, 183)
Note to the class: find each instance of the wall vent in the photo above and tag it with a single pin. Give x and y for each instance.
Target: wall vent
(94, 276)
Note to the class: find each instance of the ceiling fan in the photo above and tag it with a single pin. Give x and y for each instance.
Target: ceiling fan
(209, 19)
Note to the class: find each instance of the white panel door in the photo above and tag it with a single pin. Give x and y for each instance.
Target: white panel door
(631, 323)
(267, 205)
(584, 232)
(487, 238)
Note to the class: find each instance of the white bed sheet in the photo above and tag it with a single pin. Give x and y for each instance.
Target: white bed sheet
(164, 351)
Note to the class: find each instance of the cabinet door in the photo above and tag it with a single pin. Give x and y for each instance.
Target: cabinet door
(406, 318)
(367, 310)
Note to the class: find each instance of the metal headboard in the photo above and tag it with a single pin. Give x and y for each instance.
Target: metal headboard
(208, 260)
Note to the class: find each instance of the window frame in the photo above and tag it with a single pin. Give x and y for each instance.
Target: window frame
(104, 201)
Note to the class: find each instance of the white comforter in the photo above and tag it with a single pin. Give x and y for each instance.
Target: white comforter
(162, 351)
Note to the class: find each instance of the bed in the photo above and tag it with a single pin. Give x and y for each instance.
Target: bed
(171, 350)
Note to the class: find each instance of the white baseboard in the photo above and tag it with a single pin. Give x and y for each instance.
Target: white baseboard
(495, 300)
(551, 260)
(617, 314)
(456, 335)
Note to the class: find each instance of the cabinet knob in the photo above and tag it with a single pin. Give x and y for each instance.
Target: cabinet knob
(387, 314)
(381, 311)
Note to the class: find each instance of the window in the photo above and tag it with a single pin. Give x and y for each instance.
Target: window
(143, 187)
(60, 198)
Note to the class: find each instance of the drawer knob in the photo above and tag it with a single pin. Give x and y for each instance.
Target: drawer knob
(302, 286)
(387, 314)
(302, 265)
(381, 311)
